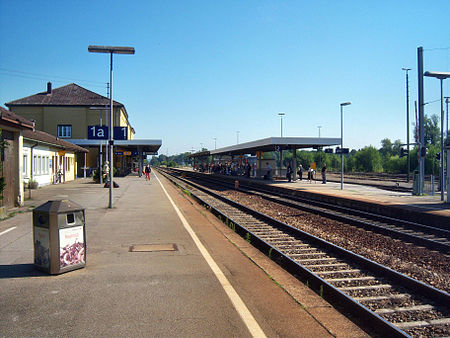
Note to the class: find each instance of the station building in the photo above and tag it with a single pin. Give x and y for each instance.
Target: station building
(72, 112)
(29, 156)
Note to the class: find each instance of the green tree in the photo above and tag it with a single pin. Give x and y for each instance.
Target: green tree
(431, 130)
(368, 159)
(386, 148)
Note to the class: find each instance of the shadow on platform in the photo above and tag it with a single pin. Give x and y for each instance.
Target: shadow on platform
(20, 271)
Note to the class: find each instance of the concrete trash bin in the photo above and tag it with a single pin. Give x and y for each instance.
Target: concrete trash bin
(59, 236)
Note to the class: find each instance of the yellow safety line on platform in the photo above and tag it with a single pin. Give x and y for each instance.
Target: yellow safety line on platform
(241, 308)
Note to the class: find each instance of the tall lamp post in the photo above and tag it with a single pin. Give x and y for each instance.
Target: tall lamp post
(407, 123)
(281, 122)
(318, 127)
(215, 143)
(111, 50)
(441, 76)
(237, 136)
(342, 142)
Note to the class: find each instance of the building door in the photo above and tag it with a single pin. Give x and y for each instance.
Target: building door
(10, 170)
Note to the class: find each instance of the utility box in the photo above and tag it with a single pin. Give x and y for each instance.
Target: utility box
(59, 236)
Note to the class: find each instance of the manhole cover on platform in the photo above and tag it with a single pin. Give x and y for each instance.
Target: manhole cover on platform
(152, 247)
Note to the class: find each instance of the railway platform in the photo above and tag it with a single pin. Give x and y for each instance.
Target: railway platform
(153, 269)
(360, 193)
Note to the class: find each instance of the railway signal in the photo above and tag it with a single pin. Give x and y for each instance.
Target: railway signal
(403, 152)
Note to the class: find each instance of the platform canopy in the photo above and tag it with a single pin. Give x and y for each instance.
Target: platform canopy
(276, 144)
(203, 153)
(149, 147)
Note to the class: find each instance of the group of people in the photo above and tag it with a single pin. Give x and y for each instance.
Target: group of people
(227, 168)
(311, 173)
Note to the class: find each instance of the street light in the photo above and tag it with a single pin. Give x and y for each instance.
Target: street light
(342, 142)
(111, 50)
(407, 123)
(441, 76)
(319, 129)
(215, 143)
(237, 136)
(281, 120)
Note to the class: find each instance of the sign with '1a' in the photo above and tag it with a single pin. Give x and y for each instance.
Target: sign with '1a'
(98, 132)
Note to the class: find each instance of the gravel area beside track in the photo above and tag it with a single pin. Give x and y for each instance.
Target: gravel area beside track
(420, 263)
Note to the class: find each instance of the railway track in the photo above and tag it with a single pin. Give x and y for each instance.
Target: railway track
(387, 302)
(412, 232)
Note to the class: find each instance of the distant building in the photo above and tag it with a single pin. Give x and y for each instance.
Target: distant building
(32, 155)
(12, 127)
(71, 112)
(48, 159)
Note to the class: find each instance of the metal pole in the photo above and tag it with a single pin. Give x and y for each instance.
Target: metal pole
(421, 119)
(101, 154)
(441, 171)
(342, 147)
(281, 125)
(446, 129)
(408, 170)
(111, 137)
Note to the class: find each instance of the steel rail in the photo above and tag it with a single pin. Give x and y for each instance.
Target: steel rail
(362, 219)
(330, 292)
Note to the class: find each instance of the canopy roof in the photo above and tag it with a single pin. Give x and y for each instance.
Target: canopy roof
(277, 143)
(147, 146)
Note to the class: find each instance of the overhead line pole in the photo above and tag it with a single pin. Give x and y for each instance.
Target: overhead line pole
(408, 170)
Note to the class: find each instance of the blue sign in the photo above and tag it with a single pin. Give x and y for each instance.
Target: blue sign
(120, 133)
(98, 132)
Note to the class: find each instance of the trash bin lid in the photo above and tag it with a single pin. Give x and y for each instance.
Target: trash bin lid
(59, 206)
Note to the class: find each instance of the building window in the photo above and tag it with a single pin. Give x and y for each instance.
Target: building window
(65, 130)
(25, 165)
(34, 165)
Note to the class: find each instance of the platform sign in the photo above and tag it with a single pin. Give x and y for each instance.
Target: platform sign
(127, 153)
(118, 153)
(98, 132)
(121, 133)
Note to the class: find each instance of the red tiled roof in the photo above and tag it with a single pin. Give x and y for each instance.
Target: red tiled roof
(14, 119)
(38, 135)
(69, 95)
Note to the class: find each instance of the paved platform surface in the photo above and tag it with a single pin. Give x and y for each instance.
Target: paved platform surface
(426, 203)
(151, 294)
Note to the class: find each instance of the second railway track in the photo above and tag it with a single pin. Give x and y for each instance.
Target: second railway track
(384, 300)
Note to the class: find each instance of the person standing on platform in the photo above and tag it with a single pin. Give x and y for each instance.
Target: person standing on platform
(269, 169)
(147, 172)
(106, 171)
(289, 172)
(300, 172)
(324, 173)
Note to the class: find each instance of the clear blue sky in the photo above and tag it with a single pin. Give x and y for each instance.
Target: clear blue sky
(206, 69)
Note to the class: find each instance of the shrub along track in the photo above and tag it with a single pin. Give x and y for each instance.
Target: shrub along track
(399, 300)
